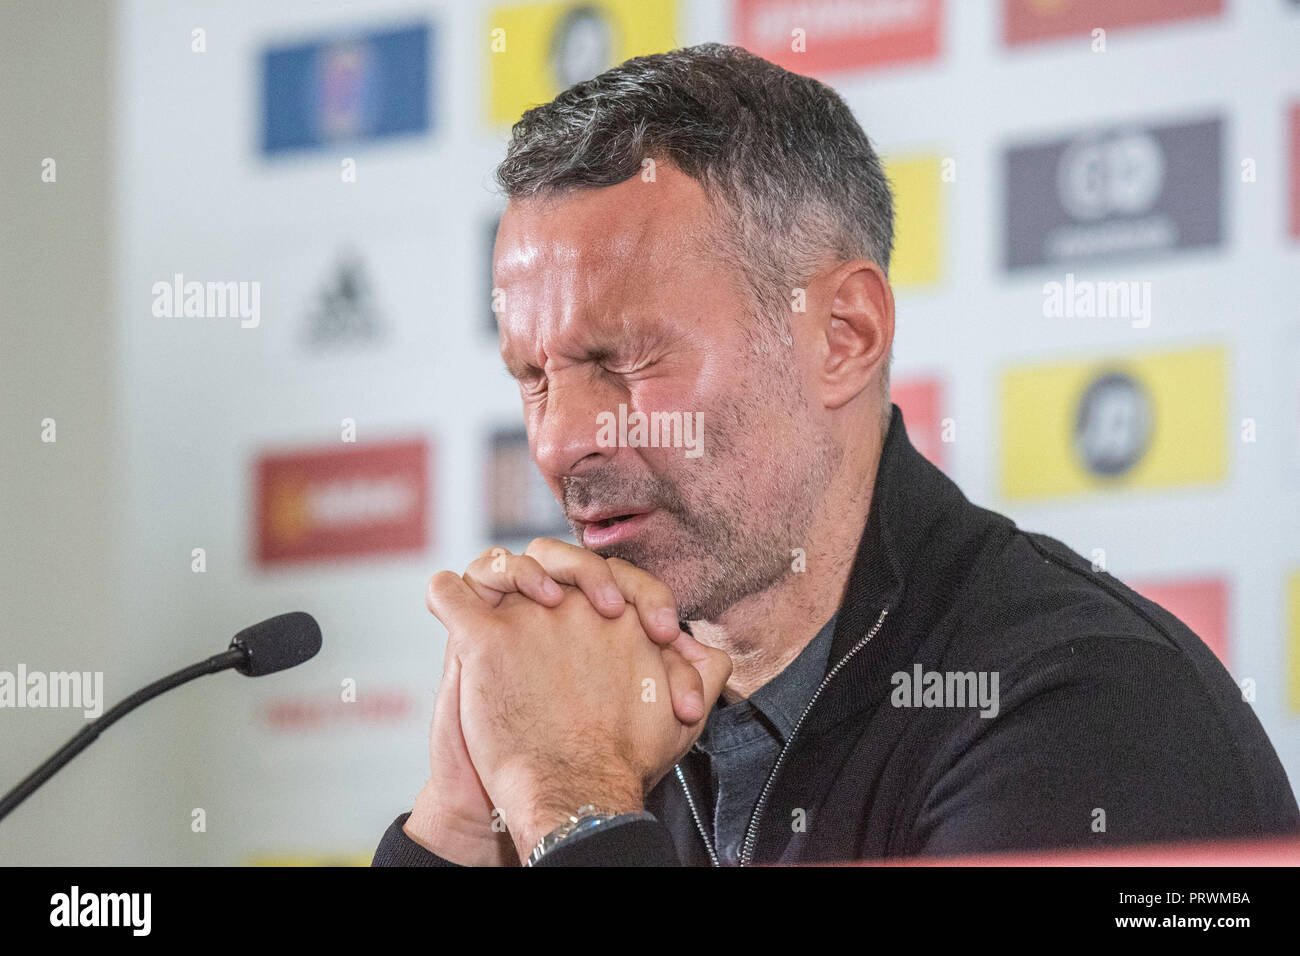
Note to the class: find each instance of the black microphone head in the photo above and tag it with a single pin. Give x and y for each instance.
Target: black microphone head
(285, 640)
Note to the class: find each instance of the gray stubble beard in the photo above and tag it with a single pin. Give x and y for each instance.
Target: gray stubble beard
(729, 551)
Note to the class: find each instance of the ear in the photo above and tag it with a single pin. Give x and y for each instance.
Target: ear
(859, 331)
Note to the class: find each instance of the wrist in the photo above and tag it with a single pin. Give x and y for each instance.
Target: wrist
(534, 826)
(538, 798)
(464, 839)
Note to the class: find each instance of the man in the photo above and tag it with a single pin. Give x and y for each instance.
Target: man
(887, 669)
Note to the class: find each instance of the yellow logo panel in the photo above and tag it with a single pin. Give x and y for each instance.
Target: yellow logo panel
(918, 226)
(1151, 421)
(311, 859)
(536, 50)
(1293, 640)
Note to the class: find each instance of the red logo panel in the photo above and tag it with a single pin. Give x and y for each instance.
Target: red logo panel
(382, 706)
(343, 501)
(825, 36)
(1025, 21)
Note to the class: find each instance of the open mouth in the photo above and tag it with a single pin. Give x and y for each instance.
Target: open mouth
(610, 522)
(614, 529)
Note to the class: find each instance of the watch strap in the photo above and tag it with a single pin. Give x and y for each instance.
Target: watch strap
(585, 820)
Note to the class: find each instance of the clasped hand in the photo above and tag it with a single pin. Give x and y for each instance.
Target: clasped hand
(567, 681)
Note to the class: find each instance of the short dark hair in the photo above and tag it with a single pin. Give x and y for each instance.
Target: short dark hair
(780, 153)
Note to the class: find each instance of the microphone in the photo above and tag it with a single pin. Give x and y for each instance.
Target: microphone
(275, 644)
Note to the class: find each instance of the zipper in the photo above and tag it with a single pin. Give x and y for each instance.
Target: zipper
(751, 836)
(699, 825)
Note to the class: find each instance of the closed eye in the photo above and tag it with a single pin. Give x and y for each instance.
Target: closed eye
(523, 372)
(532, 380)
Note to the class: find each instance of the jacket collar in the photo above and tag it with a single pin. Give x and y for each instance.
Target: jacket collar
(910, 498)
(917, 525)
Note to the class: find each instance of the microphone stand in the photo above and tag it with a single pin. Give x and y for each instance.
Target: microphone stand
(88, 734)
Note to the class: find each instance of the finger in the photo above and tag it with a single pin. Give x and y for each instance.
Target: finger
(452, 601)
(655, 604)
(585, 570)
(654, 601)
(486, 593)
(497, 573)
(685, 686)
(713, 665)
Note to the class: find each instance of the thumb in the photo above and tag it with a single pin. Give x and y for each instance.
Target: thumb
(452, 601)
(714, 665)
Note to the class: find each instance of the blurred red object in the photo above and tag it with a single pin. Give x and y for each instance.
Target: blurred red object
(1218, 853)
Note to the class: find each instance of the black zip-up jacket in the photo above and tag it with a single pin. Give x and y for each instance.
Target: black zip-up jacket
(1115, 724)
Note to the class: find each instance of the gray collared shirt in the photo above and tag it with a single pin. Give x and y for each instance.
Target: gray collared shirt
(741, 741)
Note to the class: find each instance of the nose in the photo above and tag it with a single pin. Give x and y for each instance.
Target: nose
(565, 432)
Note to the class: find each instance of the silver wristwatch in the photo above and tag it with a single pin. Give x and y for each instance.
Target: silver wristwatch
(586, 819)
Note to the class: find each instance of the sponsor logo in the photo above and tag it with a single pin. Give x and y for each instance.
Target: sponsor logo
(1026, 21)
(315, 712)
(345, 301)
(344, 311)
(825, 36)
(535, 50)
(1115, 193)
(342, 502)
(1112, 427)
(519, 502)
(582, 45)
(348, 88)
(1154, 421)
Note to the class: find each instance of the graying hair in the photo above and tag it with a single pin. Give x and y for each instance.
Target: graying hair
(779, 154)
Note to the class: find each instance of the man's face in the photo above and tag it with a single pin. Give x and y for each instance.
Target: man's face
(618, 297)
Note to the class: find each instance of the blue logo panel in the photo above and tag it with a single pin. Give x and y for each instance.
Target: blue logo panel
(349, 88)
